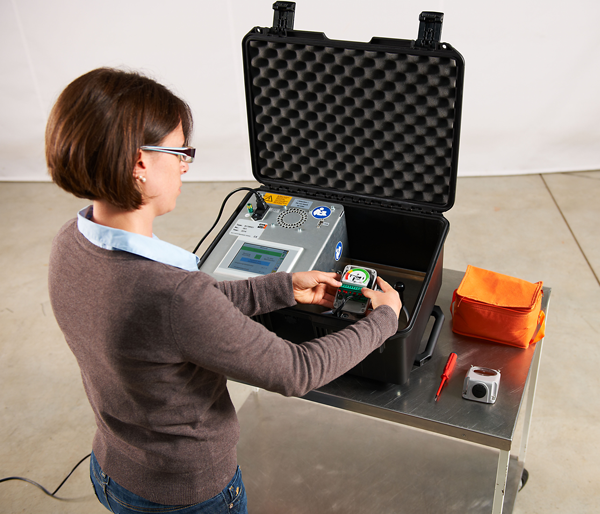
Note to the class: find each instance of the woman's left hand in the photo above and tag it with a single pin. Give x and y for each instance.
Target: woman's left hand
(316, 287)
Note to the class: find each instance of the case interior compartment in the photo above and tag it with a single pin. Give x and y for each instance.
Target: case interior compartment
(401, 247)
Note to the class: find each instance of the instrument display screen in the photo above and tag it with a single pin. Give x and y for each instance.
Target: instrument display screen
(258, 259)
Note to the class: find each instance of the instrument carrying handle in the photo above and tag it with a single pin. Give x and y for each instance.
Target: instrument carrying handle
(423, 357)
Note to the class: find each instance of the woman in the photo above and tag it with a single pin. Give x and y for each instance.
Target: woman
(154, 337)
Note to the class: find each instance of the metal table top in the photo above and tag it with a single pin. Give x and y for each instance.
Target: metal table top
(413, 403)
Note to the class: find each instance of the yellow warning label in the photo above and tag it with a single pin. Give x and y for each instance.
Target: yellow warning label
(277, 199)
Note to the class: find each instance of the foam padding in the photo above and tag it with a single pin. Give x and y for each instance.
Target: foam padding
(374, 123)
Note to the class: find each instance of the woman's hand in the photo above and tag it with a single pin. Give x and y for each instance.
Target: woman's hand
(316, 287)
(387, 296)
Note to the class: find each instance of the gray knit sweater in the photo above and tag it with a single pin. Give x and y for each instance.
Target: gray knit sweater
(154, 344)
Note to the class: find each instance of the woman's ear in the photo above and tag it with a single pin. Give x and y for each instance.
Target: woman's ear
(139, 170)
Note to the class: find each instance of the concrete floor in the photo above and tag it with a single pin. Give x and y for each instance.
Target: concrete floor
(536, 227)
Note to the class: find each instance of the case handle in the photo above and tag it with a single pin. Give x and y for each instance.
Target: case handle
(423, 357)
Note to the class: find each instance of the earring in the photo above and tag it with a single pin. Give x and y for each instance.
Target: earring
(142, 179)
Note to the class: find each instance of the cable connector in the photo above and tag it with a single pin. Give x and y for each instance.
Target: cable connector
(261, 207)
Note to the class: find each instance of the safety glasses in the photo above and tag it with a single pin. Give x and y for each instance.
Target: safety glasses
(185, 154)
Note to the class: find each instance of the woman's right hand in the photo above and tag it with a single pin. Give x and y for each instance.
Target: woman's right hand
(387, 296)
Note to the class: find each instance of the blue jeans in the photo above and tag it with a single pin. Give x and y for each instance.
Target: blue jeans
(119, 500)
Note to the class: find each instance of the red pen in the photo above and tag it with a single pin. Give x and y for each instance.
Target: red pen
(447, 372)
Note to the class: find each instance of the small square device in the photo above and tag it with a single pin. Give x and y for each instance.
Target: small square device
(481, 384)
(353, 279)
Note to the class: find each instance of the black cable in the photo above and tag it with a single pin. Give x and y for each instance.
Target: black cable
(42, 487)
(405, 311)
(259, 200)
(339, 308)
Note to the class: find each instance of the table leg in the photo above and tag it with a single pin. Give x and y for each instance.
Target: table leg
(501, 477)
(531, 388)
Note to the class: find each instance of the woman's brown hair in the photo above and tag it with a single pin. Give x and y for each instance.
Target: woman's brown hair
(97, 126)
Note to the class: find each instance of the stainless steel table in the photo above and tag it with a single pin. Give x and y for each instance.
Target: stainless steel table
(413, 405)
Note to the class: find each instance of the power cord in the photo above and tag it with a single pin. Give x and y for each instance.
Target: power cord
(261, 209)
(53, 495)
(339, 308)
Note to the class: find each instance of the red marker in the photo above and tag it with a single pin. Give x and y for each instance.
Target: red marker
(447, 372)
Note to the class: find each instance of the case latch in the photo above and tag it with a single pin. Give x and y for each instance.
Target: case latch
(430, 29)
(283, 18)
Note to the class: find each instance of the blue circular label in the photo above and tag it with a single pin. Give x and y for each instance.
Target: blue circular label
(338, 251)
(321, 212)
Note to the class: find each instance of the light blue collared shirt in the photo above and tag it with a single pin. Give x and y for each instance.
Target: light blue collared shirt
(149, 247)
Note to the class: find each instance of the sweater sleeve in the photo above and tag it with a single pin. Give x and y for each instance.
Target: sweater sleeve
(216, 335)
(260, 294)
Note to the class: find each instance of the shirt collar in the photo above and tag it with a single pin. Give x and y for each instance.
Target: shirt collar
(149, 247)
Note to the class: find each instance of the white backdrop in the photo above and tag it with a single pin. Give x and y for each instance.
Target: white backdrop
(531, 84)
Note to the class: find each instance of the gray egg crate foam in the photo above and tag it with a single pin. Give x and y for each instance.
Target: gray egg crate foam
(374, 123)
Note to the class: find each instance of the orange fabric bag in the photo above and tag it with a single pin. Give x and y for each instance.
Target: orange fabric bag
(498, 307)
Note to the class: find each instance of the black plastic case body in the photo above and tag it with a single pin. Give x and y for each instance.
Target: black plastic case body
(375, 127)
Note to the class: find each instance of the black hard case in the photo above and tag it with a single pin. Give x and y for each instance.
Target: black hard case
(373, 126)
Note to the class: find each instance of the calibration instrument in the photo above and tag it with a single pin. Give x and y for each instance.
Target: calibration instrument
(292, 234)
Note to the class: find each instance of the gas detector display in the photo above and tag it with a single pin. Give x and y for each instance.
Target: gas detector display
(258, 259)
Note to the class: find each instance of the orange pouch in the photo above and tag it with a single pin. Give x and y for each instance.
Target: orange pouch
(498, 308)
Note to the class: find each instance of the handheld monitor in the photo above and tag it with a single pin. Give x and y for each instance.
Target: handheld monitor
(349, 297)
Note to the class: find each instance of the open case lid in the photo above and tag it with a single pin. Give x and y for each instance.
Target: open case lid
(375, 122)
